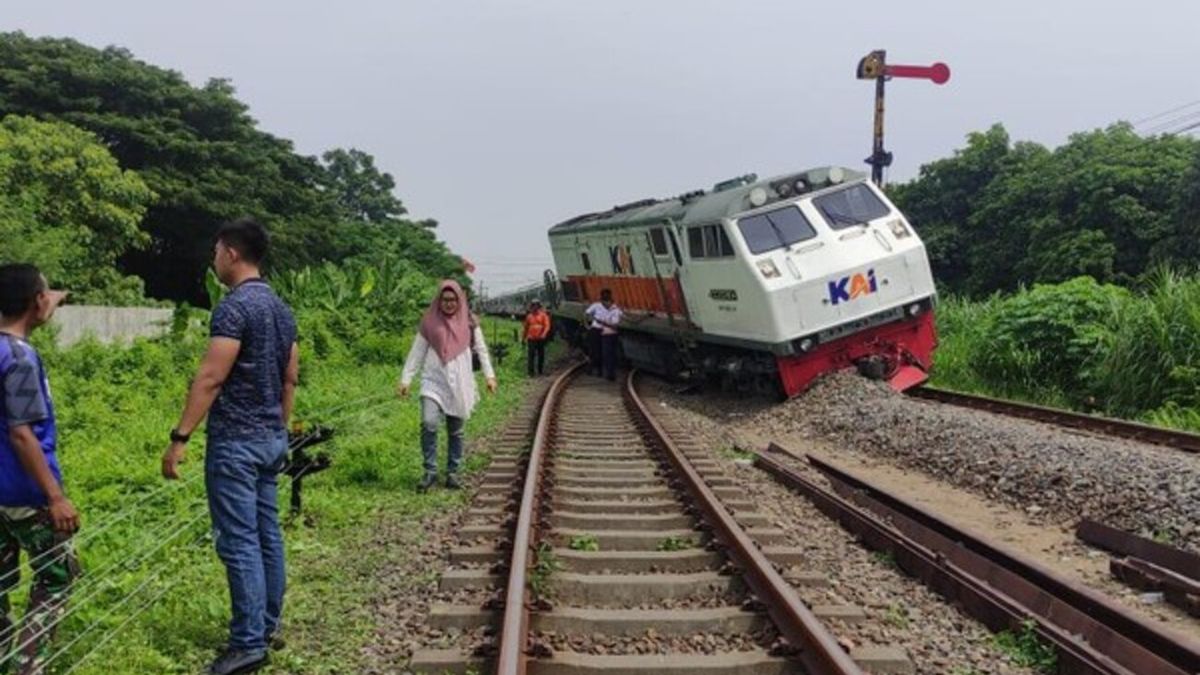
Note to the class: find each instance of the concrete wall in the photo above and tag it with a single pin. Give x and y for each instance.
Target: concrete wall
(110, 324)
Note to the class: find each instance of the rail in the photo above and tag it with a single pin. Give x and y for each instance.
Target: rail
(1145, 433)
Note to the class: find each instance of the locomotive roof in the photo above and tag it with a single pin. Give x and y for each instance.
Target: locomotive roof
(723, 201)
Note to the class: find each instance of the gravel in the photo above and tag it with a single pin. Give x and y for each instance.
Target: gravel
(900, 612)
(1055, 476)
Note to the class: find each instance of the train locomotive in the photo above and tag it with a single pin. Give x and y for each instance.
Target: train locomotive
(760, 285)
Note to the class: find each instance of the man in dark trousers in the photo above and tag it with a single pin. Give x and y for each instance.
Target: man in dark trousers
(537, 333)
(606, 318)
(248, 378)
(35, 515)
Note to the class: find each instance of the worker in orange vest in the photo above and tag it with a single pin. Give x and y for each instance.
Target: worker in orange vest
(537, 333)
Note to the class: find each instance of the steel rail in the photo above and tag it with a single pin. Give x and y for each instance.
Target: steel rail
(1090, 633)
(818, 650)
(1146, 433)
(514, 630)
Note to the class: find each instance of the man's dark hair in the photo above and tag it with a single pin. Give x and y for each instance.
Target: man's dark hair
(20, 284)
(606, 294)
(247, 237)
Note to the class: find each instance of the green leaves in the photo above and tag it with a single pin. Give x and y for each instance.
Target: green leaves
(67, 206)
(1108, 203)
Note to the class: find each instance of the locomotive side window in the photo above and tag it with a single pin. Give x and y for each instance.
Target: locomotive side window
(709, 241)
(587, 263)
(696, 242)
(658, 242)
(675, 249)
(855, 205)
(775, 229)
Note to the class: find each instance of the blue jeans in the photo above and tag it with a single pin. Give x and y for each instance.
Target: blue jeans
(240, 476)
(431, 419)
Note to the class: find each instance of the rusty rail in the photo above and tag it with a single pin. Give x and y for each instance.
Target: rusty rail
(1090, 633)
(514, 630)
(818, 650)
(1147, 564)
(1145, 433)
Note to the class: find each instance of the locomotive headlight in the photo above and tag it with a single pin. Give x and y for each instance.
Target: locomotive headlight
(836, 175)
(806, 345)
(768, 268)
(899, 231)
(758, 197)
(914, 309)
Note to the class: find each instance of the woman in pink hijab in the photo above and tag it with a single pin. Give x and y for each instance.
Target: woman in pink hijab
(441, 352)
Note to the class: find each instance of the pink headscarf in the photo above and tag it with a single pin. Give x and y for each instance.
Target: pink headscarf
(448, 335)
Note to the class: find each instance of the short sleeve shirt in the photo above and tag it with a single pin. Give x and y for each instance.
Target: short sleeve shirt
(24, 400)
(250, 404)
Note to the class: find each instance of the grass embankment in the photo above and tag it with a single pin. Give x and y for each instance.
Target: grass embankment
(114, 407)
(1083, 346)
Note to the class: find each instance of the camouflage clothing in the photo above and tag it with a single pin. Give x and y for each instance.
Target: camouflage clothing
(24, 645)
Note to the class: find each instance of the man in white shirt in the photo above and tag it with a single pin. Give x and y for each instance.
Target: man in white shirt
(605, 320)
(593, 338)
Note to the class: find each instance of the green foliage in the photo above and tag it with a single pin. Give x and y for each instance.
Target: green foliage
(1108, 204)
(897, 615)
(202, 153)
(676, 544)
(539, 578)
(114, 405)
(1046, 337)
(67, 206)
(584, 542)
(1026, 649)
(1081, 345)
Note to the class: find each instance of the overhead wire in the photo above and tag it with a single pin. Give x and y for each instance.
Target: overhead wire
(1176, 109)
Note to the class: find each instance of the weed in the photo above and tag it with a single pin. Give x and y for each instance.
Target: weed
(545, 567)
(1163, 536)
(1026, 649)
(885, 558)
(736, 453)
(676, 544)
(584, 542)
(897, 615)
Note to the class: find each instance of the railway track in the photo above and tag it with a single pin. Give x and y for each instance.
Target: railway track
(615, 548)
(1144, 433)
(1004, 590)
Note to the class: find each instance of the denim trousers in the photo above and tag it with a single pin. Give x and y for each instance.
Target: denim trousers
(240, 476)
(431, 419)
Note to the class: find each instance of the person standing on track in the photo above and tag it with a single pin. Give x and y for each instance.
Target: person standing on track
(248, 378)
(35, 515)
(441, 352)
(595, 360)
(607, 317)
(537, 333)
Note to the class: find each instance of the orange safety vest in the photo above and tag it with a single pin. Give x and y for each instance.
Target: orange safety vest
(537, 325)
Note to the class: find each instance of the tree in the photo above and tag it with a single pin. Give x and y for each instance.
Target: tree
(360, 190)
(196, 147)
(67, 206)
(1108, 204)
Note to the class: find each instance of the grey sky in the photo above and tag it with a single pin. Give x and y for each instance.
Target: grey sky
(500, 119)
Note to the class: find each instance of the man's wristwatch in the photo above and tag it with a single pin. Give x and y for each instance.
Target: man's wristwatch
(177, 437)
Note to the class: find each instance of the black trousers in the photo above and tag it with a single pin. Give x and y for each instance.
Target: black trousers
(608, 355)
(593, 348)
(536, 350)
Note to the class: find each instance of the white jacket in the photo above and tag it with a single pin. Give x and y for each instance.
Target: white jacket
(452, 384)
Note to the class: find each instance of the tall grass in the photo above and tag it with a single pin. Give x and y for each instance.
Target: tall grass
(1082, 345)
(115, 404)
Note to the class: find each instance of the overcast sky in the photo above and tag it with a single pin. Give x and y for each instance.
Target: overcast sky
(501, 118)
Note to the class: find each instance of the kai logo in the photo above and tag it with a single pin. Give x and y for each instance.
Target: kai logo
(852, 286)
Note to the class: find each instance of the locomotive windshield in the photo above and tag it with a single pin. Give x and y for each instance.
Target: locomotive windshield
(855, 205)
(775, 229)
